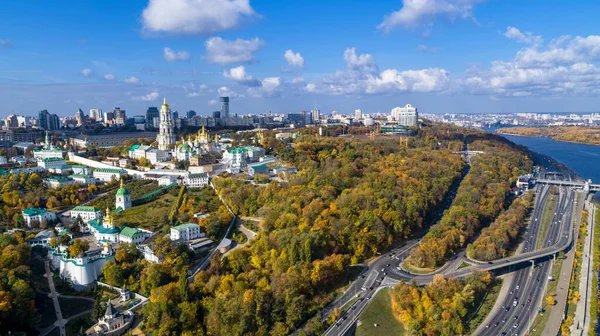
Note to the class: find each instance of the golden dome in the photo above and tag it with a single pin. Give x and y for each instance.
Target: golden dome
(165, 106)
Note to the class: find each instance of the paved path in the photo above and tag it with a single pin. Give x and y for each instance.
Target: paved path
(60, 322)
(249, 235)
(581, 321)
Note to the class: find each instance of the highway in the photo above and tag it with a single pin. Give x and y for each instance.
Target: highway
(559, 237)
(527, 287)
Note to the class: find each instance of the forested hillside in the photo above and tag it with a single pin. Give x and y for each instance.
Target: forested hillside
(578, 134)
(350, 199)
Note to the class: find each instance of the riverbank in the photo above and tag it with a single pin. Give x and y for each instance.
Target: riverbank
(570, 134)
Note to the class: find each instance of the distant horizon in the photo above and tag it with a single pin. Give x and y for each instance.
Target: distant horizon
(442, 56)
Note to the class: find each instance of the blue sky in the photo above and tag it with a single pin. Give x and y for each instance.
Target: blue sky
(444, 56)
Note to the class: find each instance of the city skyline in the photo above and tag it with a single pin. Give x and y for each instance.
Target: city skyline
(444, 56)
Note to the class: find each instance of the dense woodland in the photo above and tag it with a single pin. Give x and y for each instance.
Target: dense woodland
(578, 134)
(17, 306)
(350, 200)
(441, 307)
(480, 198)
(501, 236)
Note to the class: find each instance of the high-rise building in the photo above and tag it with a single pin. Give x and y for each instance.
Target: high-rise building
(316, 114)
(224, 107)
(109, 117)
(216, 114)
(151, 113)
(190, 114)
(96, 114)
(24, 121)
(48, 121)
(357, 114)
(120, 116)
(175, 115)
(11, 122)
(406, 116)
(80, 117)
(166, 134)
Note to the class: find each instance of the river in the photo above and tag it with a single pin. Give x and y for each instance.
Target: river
(582, 159)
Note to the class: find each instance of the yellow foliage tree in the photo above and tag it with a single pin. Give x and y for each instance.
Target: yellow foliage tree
(550, 300)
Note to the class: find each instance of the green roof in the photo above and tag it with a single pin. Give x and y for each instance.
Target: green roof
(3, 172)
(259, 167)
(85, 208)
(110, 170)
(131, 232)
(34, 211)
(102, 229)
(134, 147)
(59, 178)
(198, 175)
(52, 159)
(122, 192)
(184, 226)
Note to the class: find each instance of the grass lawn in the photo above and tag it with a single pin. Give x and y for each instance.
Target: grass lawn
(45, 308)
(547, 214)
(416, 270)
(81, 323)
(379, 312)
(464, 264)
(542, 318)
(485, 308)
(70, 307)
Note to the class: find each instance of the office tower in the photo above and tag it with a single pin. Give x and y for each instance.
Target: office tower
(166, 134)
(109, 117)
(151, 113)
(175, 115)
(308, 120)
(96, 114)
(80, 117)
(224, 107)
(190, 114)
(216, 114)
(406, 116)
(11, 121)
(24, 121)
(48, 121)
(357, 114)
(316, 114)
(120, 116)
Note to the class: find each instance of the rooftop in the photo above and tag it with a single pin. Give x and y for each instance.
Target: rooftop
(131, 232)
(34, 211)
(81, 175)
(110, 170)
(59, 178)
(85, 208)
(52, 159)
(185, 226)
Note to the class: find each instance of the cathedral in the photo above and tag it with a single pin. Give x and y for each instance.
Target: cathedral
(199, 144)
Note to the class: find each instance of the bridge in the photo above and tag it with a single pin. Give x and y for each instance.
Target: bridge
(587, 186)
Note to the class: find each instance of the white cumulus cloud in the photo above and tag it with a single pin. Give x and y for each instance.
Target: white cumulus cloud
(195, 17)
(86, 72)
(109, 76)
(172, 55)
(527, 37)
(363, 62)
(227, 52)
(269, 87)
(132, 80)
(294, 59)
(212, 102)
(565, 66)
(417, 13)
(239, 75)
(152, 96)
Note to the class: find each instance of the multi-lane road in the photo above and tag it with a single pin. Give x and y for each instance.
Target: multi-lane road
(520, 306)
(530, 281)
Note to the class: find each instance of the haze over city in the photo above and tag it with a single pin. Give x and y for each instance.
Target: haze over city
(444, 56)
